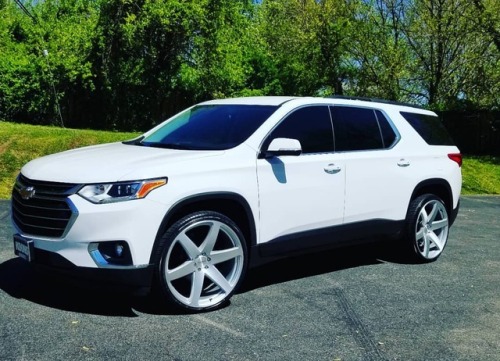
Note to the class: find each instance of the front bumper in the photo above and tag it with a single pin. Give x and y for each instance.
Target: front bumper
(139, 278)
(72, 257)
(134, 224)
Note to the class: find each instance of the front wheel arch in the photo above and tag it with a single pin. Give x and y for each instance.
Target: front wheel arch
(230, 204)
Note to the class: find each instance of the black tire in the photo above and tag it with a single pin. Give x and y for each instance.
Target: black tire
(426, 229)
(202, 262)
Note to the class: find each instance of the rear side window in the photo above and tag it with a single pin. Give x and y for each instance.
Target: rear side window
(310, 125)
(361, 129)
(430, 128)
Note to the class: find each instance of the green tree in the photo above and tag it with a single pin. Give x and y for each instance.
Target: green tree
(488, 19)
(43, 63)
(307, 40)
(152, 58)
(135, 59)
(21, 65)
(216, 63)
(379, 51)
(128, 64)
(482, 90)
(445, 49)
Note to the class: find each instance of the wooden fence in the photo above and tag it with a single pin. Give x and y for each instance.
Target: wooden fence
(474, 132)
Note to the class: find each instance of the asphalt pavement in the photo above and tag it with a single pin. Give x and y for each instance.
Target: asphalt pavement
(363, 303)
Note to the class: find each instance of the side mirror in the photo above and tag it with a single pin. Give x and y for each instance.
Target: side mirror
(283, 146)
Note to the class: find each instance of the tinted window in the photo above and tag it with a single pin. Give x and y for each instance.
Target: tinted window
(430, 128)
(208, 127)
(355, 129)
(388, 134)
(311, 126)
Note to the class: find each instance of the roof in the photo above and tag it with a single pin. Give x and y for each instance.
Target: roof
(340, 100)
(260, 100)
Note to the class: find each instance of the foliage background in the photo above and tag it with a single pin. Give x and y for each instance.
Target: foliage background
(128, 64)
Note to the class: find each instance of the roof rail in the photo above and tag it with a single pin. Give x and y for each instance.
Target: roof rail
(377, 100)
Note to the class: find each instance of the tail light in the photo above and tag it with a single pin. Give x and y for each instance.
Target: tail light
(456, 157)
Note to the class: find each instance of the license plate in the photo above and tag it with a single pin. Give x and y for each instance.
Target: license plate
(24, 248)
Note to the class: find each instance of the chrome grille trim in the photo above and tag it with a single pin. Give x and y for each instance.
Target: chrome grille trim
(45, 212)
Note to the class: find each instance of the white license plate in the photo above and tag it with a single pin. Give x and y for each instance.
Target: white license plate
(24, 248)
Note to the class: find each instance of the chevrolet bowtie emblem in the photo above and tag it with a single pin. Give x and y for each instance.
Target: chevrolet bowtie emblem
(27, 192)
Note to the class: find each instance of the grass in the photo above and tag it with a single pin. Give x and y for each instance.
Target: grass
(481, 175)
(20, 143)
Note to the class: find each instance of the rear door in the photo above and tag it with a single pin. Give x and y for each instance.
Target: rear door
(378, 178)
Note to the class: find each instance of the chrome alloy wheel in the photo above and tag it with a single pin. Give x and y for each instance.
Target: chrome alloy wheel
(431, 229)
(204, 263)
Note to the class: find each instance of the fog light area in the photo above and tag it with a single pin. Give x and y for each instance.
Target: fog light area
(111, 253)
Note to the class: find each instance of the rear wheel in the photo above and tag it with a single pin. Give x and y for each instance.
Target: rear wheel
(427, 226)
(203, 261)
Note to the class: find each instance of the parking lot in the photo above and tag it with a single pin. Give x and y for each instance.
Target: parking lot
(364, 303)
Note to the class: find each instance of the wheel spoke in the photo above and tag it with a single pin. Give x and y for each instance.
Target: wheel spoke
(217, 277)
(433, 213)
(209, 242)
(426, 246)
(180, 271)
(439, 224)
(196, 288)
(420, 233)
(188, 245)
(225, 255)
(435, 239)
(425, 217)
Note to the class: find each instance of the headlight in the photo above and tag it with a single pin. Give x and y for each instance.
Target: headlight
(119, 192)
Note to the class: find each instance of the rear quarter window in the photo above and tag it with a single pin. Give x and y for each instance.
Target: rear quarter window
(430, 128)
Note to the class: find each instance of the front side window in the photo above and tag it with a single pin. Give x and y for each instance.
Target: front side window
(210, 127)
(310, 125)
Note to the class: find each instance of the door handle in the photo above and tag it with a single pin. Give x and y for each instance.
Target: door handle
(403, 162)
(332, 169)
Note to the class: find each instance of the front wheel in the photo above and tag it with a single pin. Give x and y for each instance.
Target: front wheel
(427, 226)
(203, 261)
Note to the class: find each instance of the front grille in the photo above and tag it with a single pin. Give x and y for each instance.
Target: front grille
(40, 208)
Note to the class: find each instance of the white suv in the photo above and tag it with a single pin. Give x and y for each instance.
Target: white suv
(191, 204)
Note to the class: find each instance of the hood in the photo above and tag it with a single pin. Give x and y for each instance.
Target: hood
(109, 163)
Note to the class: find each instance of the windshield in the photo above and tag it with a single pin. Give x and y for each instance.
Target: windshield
(210, 127)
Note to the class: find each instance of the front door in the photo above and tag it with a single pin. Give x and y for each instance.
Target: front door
(305, 192)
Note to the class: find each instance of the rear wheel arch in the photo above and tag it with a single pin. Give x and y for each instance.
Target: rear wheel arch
(232, 205)
(437, 186)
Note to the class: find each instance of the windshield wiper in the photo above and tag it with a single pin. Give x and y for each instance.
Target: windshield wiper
(179, 146)
(136, 141)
